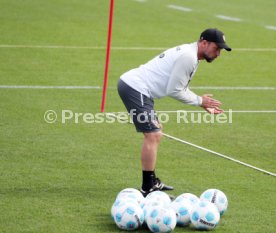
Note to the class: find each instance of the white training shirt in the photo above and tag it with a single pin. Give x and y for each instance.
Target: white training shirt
(168, 74)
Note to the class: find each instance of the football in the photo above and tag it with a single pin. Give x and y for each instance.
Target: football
(120, 202)
(158, 196)
(182, 208)
(127, 215)
(205, 216)
(147, 207)
(161, 219)
(217, 197)
(191, 197)
(131, 193)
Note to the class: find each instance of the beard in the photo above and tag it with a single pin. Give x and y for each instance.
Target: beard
(208, 58)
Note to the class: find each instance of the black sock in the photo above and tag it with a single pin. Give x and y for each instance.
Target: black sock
(148, 180)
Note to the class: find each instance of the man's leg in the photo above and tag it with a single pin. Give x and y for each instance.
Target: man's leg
(148, 160)
(149, 150)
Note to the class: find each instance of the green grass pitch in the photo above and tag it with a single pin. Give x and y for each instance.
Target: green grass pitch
(64, 177)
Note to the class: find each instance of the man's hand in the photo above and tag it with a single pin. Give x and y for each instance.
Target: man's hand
(211, 105)
(214, 110)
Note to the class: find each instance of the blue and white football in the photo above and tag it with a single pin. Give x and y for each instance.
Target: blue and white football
(205, 216)
(217, 197)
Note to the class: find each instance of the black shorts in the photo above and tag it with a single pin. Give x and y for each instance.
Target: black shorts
(140, 108)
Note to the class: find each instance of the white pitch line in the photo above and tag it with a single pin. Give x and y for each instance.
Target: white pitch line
(230, 111)
(47, 87)
(113, 88)
(3, 46)
(203, 111)
(255, 49)
(180, 8)
(52, 47)
(219, 154)
(232, 88)
(270, 27)
(229, 18)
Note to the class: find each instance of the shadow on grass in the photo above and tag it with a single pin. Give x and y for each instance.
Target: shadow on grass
(110, 226)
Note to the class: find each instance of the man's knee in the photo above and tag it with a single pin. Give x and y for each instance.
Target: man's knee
(154, 137)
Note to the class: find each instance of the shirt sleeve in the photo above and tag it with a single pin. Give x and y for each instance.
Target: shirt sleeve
(177, 86)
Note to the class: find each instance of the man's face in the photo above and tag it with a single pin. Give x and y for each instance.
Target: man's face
(211, 52)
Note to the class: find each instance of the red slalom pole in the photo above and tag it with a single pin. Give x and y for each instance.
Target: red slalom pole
(107, 54)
